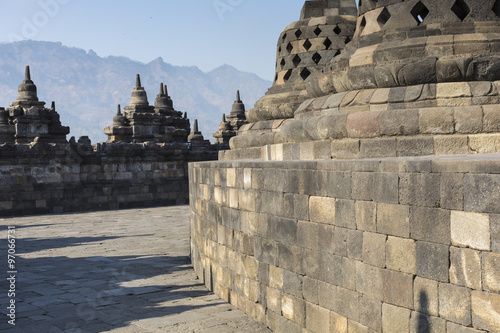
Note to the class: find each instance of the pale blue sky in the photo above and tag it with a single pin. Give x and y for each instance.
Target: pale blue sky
(205, 33)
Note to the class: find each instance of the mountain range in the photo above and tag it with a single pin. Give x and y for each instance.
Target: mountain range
(87, 88)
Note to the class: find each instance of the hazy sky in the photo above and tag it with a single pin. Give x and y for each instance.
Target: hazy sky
(205, 33)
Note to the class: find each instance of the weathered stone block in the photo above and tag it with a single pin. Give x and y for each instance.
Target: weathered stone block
(455, 328)
(345, 214)
(362, 186)
(465, 269)
(433, 261)
(468, 120)
(420, 322)
(416, 146)
(339, 185)
(310, 290)
(317, 318)
(340, 241)
(454, 304)
(338, 323)
(370, 312)
(393, 220)
(426, 296)
(363, 124)
(313, 262)
(398, 288)
(366, 216)
(345, 149)
(430, 224)
(485, 311)
(354, 244)
(273, 299)
(369, 280)
(395, 319)
(491, 119)
(374, 249)
(378, 148)
(293, 309)
(481, 193)
(470, 229)
(491, 272)
(348, 303)
(451, 145)
(436, 121)
(328, 296)
(322, 210)
(420, 188)
(452, 191)
(495, 233)
(399, 122)
(386, 187)
(401, 255)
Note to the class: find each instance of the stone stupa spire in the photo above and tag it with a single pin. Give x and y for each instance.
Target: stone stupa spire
(27, 91)
(139, 95)
(238, 109)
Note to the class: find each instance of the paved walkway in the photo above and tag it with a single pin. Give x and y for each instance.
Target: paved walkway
(119, 271)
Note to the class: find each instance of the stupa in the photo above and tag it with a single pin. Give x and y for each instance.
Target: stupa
(141, 122)
(230, 125)
(28, 120)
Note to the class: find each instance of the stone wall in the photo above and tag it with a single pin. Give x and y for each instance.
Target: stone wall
(55, 178)
(394, 245)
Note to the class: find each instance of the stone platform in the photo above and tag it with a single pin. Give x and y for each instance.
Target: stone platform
(116, 271)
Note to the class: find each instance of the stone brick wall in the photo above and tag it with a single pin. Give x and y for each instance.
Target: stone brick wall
(55, 178)
(392, 245)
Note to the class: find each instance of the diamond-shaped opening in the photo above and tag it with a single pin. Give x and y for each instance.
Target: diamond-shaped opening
(419, 12)
(348, 40)
(329, 43)
(337, 30)
(362, 25)
(496, 8)
(279, 50)
(276, 78)
(337, 53)
(317, 31)
(298, 33)
(360, 3)
(461, 9)
(316, 58)
(296, 60)
(287, 75)
(383, 17)
(304, 73)
(283, 63)
(289, 47)
(307, 45)
(284, 37)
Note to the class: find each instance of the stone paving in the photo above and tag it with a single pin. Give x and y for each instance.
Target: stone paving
(118, 271)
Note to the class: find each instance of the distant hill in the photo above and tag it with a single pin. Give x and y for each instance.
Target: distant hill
(87, 88)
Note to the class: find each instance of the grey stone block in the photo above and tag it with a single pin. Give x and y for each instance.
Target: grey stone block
(398, 288)
(317, 318)
(386, 186)
(401, 255)
(332, 269)
(430, 224)
(491, 272)
(455, 304)
(310, 290)
(378, 148)
(422, 189)
(393, 220)
(455, 328)
(369, 281)
(308, 235)
(366, 216)
(495, 233)
(465, 269)
(362, 186)
(395, 319)
(370, 313)
(348, 305)
(314, 264)
(328, 299)
(481, 193)
(426, 296)
(354, 244)
(349, 273)
(452, 191)
(374, 249)
(416, 146)
(340, 241)
(339, 185)
(433, 261)
(345, 215)
(420, 322)
(484, 312)
(291, 258)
